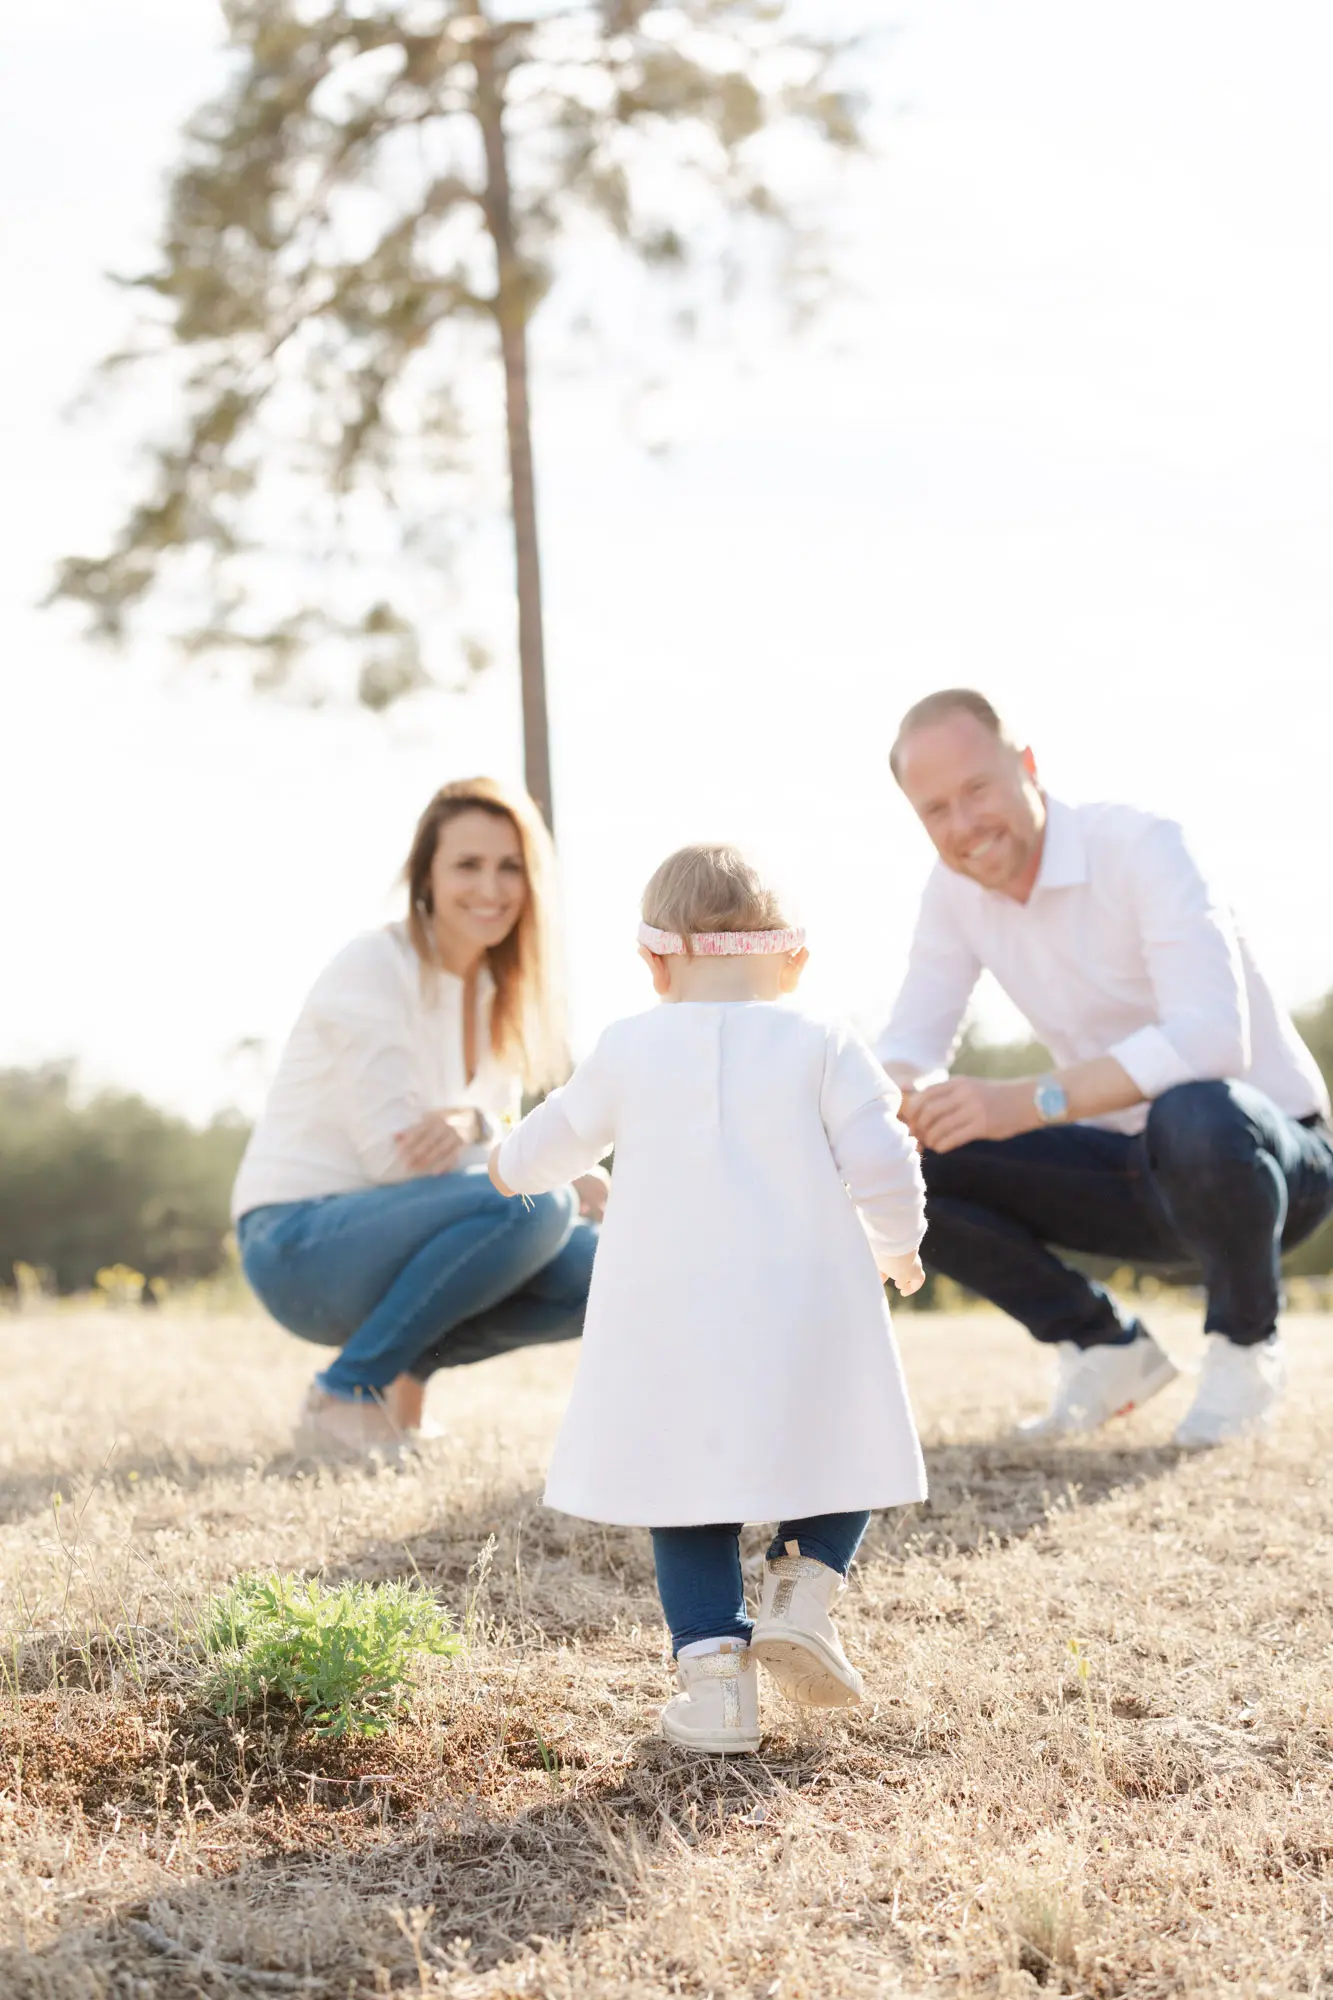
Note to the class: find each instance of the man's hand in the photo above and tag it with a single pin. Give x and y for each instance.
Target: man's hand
(500, 1185)
(904, 1272)
(592, 1190)
(953, 1114)
(945, 1116)
(433, 1144)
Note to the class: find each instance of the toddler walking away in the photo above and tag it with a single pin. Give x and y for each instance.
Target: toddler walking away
(738, 1363)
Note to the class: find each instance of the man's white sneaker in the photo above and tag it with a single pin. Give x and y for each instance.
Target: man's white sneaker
(1238, 1391)
(717, 1709)
(794, 1635)
(1094, 1383)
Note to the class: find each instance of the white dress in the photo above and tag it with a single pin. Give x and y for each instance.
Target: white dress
(738, 1363)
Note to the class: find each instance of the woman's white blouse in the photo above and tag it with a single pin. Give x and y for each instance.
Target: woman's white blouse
(738, 1363)
(378, 1043)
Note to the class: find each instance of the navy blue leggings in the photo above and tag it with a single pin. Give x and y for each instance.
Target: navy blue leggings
(699, 1570)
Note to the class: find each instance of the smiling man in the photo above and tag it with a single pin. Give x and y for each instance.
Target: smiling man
(1184, 1123)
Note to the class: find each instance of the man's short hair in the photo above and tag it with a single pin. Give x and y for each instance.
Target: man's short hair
(935, 707)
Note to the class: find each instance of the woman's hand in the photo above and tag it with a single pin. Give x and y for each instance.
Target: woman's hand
(500, 1185)
(592, 1190)
(431, 1146)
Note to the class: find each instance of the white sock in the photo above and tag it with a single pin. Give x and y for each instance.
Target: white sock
(697, 1649)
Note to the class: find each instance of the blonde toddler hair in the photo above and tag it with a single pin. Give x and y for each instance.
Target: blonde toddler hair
(710, 886)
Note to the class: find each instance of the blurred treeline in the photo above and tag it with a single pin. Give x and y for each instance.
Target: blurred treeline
(109, 1181)
(115, 1181)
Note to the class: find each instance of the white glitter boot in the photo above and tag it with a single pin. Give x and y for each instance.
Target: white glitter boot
(717, 1708)
(794, 1635)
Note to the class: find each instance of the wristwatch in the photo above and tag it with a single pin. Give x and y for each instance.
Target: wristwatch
(1051, 1101)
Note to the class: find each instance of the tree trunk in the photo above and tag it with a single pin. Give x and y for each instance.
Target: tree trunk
(511, 314)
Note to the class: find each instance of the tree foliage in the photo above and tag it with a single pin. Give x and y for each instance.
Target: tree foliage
(113, 1181)
(335, 243)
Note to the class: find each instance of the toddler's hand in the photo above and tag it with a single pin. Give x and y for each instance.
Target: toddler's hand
(907, 1273)
(493, 1169)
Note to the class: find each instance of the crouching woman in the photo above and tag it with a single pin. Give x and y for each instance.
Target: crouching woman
(364, 1213)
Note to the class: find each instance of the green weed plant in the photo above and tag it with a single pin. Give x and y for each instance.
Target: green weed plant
(341, 1656)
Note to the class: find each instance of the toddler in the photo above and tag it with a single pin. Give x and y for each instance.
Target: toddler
(738, 1363)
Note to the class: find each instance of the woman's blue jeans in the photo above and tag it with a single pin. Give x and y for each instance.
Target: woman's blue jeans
(419, 1275)
(699, 1571)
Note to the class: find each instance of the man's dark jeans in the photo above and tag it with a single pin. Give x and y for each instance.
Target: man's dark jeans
(1218, 1184)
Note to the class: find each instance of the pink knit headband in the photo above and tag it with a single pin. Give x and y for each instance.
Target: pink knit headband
(721, 944)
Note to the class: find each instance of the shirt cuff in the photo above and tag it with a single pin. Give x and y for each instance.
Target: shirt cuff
(544, 1152)
(1152, 1061)
(509, 1160)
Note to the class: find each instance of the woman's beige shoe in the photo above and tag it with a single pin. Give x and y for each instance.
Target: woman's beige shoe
(794, 1635)
(342, 1427)
(405, 1400)
(717, 1709)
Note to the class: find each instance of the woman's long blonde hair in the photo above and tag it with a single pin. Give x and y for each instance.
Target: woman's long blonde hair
(527, 1013)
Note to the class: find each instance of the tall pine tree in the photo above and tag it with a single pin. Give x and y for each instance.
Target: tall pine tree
(376, 183)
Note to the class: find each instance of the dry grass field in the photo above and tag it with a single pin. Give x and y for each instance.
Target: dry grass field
(1095, 1756)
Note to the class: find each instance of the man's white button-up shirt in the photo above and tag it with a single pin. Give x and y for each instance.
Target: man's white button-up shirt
(1122, 949)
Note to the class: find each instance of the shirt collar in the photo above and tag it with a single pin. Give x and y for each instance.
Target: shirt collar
(445, 981)
(1064, 858)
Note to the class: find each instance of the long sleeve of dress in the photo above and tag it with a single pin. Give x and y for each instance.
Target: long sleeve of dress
(880, 1169)
(872, 1150)
(567, 1134)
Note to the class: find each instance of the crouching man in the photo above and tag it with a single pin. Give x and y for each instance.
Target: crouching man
(1184, 1123)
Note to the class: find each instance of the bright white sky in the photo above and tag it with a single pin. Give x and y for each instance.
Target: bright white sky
(1074, 444)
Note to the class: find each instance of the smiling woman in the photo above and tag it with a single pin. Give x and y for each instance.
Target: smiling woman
(365, 1216)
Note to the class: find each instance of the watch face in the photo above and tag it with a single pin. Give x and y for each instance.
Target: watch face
(1052, 1100)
